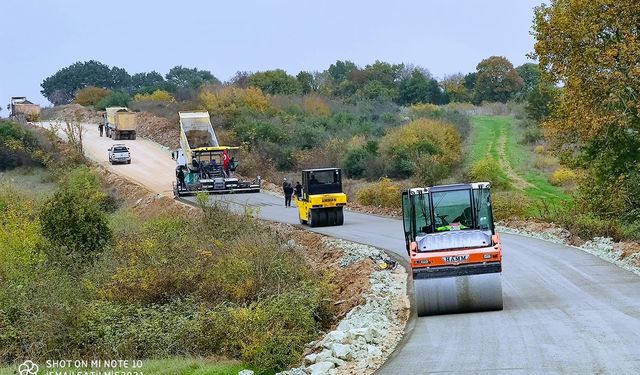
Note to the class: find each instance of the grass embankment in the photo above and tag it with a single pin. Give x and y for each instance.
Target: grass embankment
(497, 137)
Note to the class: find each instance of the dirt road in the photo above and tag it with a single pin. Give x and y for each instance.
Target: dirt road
(565, 311)
(151, 164)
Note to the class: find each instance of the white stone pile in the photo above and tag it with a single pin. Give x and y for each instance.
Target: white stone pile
(369, 332)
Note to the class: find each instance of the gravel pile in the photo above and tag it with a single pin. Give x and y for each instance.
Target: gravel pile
(602, 247)
(369, 332)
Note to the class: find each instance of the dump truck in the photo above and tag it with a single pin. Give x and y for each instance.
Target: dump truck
(120, 123)
(202, 164)
(454, 250)
(322, 200)
(22, 110)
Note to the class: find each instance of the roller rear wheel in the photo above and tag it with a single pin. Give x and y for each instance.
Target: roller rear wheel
(461, 294)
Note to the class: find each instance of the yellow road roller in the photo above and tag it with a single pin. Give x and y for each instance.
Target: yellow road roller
(322, 201)
(454, 250)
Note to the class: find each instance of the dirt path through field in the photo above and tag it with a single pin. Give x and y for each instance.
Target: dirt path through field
(517, 181)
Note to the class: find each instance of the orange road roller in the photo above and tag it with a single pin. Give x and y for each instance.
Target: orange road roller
(454, 250)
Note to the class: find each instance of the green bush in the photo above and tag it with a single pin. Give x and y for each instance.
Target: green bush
(76, 226)
(114, 99)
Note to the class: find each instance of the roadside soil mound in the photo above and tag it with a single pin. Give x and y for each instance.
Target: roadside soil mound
(158, 129)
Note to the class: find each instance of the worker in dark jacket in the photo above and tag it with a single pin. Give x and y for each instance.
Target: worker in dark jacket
(288, 192)
(180, 176)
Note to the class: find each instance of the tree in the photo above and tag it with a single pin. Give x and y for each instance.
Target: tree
(306, 82)
(455, 88)
(275, 82)
(192, 78)
(90, 95)
(539, 101)
(241, 79)
(341, 70)
(147, 82)
(418, 88)
(497, 80)
(61, 87)
(592, 48)
(530, 74)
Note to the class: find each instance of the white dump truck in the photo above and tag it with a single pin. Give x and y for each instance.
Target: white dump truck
(202, 163)
(120, 123)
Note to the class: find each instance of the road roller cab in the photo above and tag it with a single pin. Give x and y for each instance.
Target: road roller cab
(322, 200)
(454, 250)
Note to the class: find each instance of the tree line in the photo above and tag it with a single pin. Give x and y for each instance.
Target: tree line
(495, 79)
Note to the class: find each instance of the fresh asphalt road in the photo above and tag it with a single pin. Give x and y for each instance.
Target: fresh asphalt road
(565, 311)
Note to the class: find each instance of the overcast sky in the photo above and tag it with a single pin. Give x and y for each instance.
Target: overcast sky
(40, 37)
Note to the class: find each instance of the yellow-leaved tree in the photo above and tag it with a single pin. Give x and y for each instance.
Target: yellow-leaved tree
(592, 48)
(228, 102)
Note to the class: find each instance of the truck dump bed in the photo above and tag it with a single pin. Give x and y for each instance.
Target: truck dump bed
(196, 131)
(111, 114)
(125, 120)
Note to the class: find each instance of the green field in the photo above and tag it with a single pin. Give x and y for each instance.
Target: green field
(171, 366)
(497, 137)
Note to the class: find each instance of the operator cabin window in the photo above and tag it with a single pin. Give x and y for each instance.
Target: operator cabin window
(452, 210)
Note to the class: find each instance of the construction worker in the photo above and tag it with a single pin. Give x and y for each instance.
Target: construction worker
(284, 183)
(100, 128)
(225, 162)
(298, 190)
(180, 176)
(288, 191)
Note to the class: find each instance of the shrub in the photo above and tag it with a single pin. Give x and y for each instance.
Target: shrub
(91, 95)
(17, 146)
(430, 170)
(488, 169)
(384, 193)
(563, 177)
(115, 99)
(509, 204)
(316, 106)
(539, 149)
(156, 96)
(406, 145)
(73, 220)
(423, 110)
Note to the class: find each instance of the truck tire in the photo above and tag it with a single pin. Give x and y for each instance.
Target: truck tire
(129, 161)
(133, 136)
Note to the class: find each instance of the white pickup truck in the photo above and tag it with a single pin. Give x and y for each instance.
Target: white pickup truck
(119, 153)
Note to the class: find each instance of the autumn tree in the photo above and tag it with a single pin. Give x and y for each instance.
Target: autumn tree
(455, 88)
(592, 49)
(497, 80)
